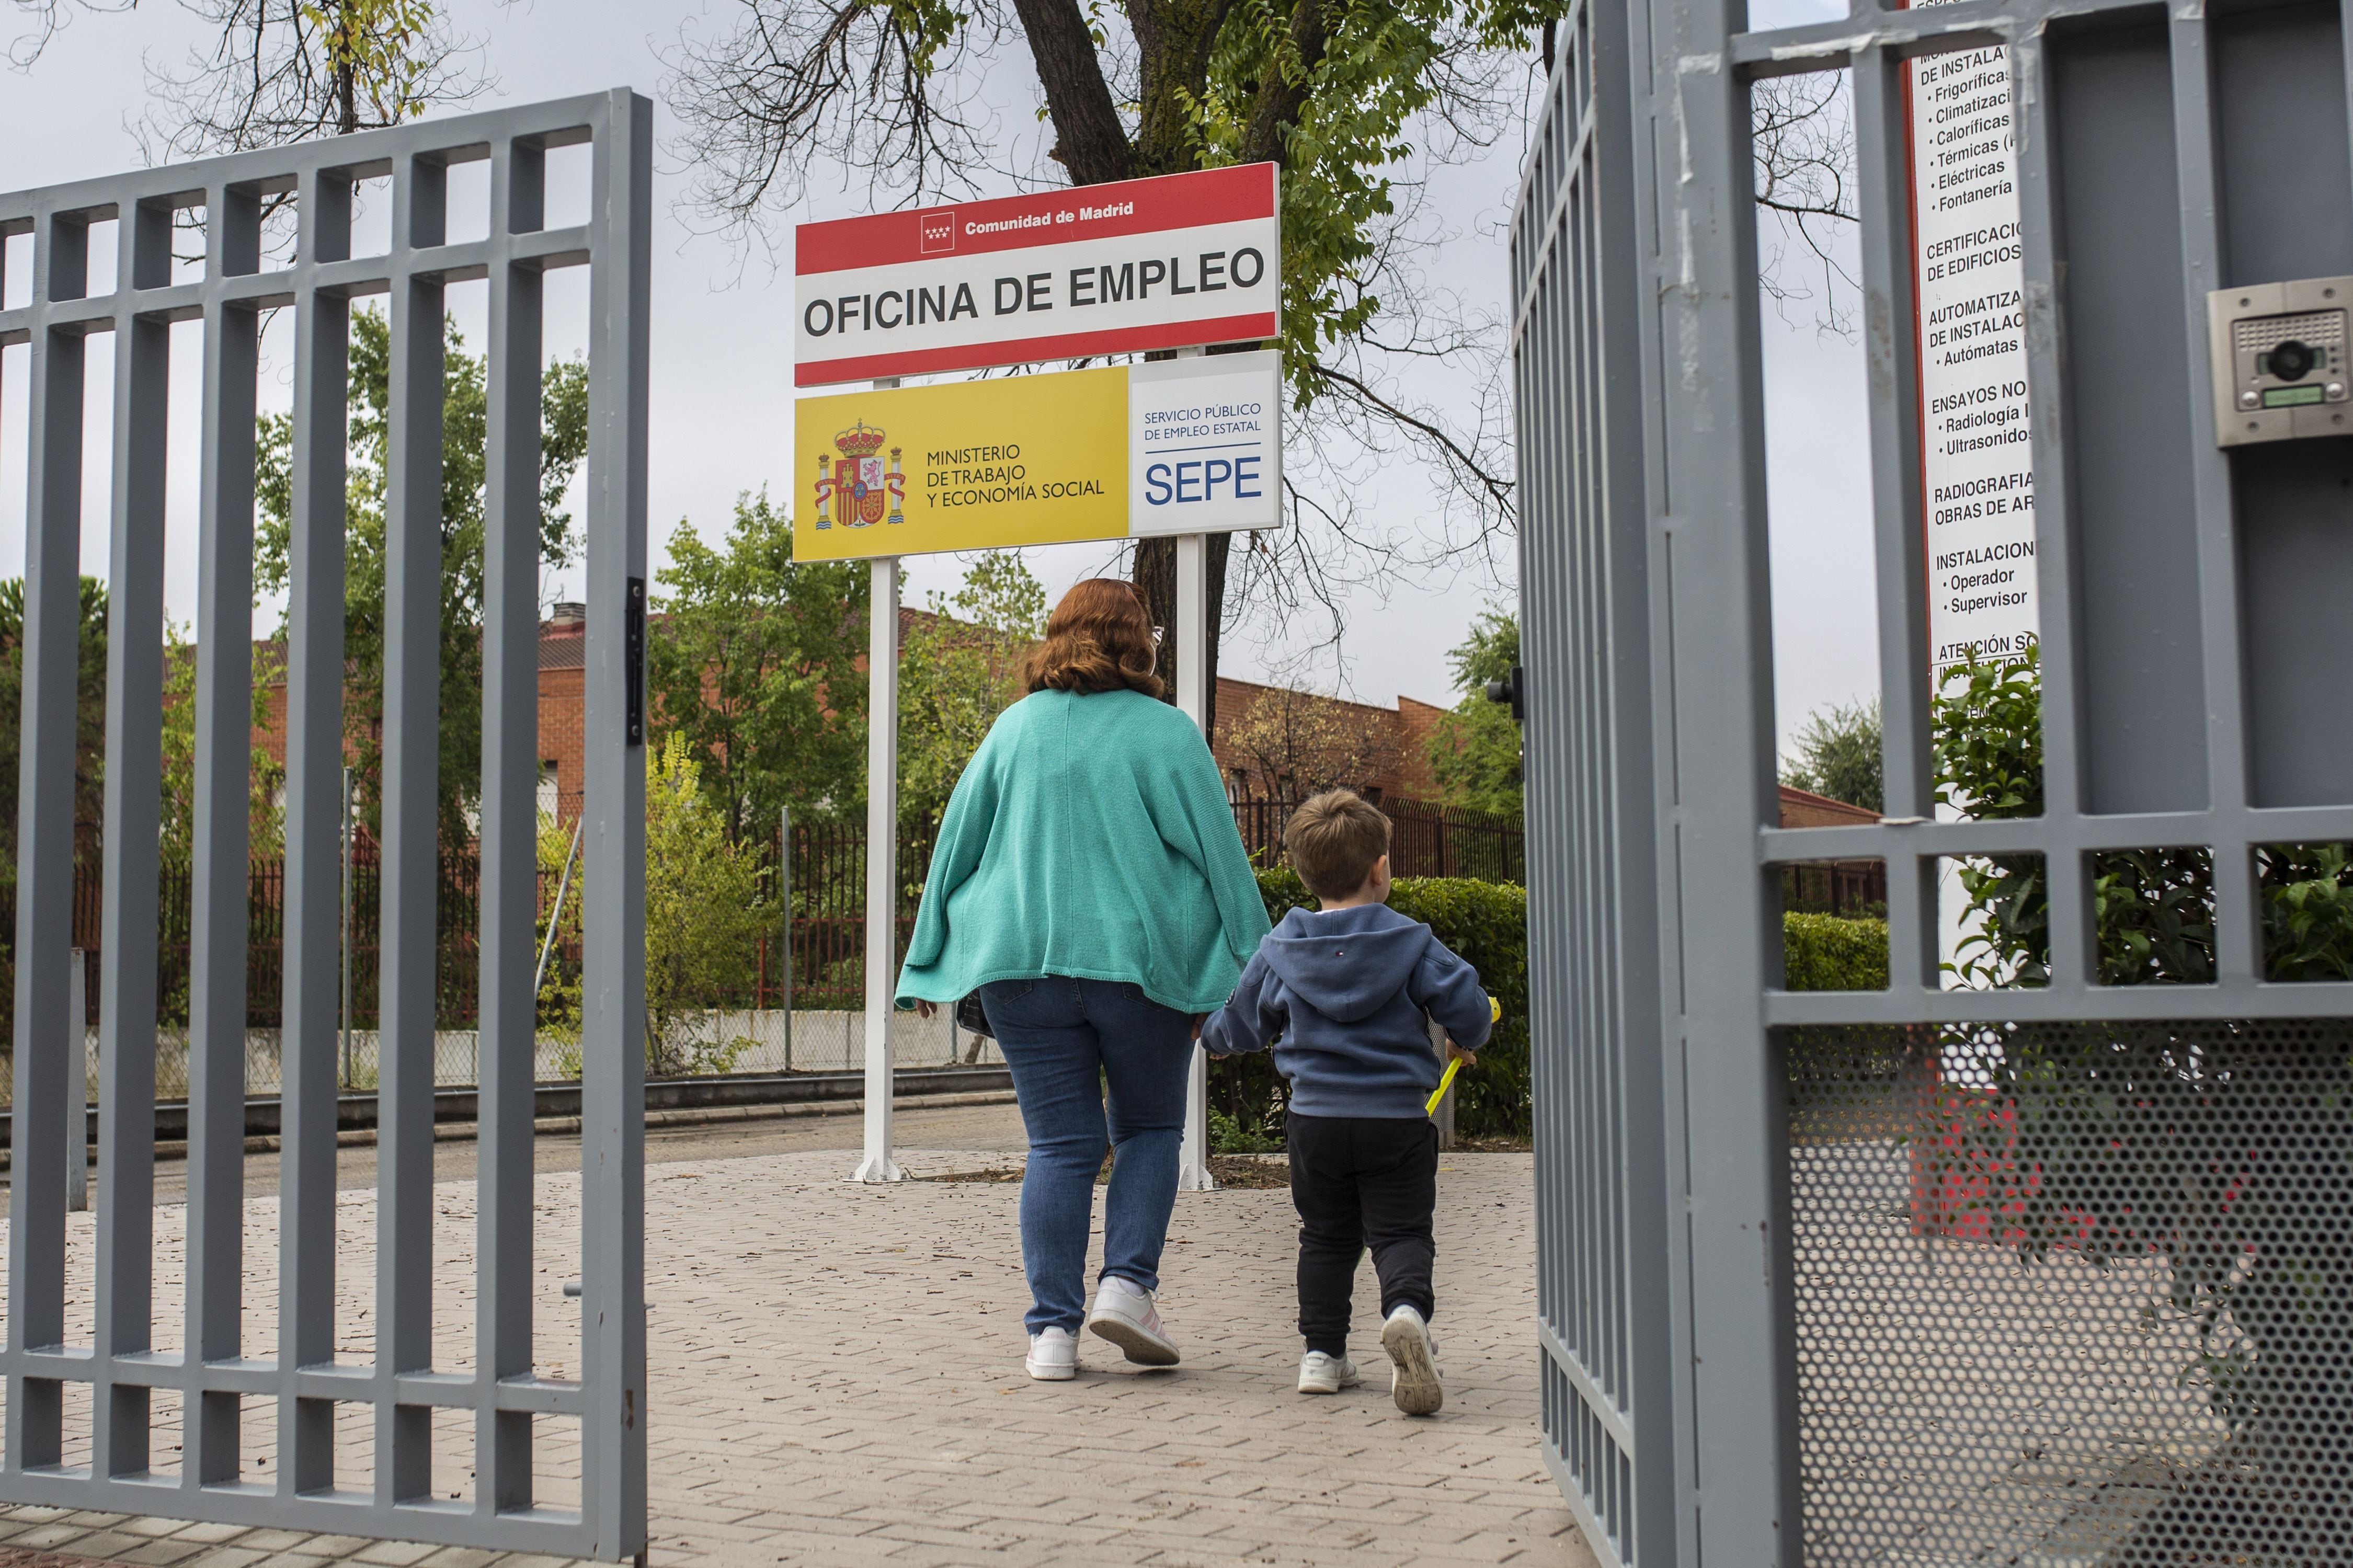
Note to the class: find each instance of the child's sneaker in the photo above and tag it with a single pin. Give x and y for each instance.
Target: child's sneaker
(1414, 1383)
(1126, 1316)
(1053, 1355)
(1321, 1373)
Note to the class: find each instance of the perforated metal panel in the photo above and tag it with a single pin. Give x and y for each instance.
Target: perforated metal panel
(2069, 1293)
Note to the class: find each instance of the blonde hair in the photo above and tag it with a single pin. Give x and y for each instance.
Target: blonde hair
(1333, 841)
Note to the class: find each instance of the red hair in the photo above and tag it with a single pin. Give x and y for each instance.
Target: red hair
(1099, 638)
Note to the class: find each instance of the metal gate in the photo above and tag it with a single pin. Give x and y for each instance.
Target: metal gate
(86, 1421)
(2050, 1269)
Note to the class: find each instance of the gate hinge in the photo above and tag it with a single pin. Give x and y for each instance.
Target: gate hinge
(1508, 689)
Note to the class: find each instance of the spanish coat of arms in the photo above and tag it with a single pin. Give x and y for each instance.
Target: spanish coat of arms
(854, 488)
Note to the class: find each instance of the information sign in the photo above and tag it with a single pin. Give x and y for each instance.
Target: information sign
(1182, 446)
(1171, 262)
(1205, 447)
(1976, 462)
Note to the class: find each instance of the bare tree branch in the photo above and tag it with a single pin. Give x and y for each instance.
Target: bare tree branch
(1802, 132)
(281, 70)
(804, 88)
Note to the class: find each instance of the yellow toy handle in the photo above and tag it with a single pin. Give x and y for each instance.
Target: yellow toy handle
(1446, 1080)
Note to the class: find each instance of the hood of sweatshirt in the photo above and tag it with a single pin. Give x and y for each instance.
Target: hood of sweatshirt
(1346, 963)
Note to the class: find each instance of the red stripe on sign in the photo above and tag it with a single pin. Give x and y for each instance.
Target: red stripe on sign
(1017, 223)
(1027, 351)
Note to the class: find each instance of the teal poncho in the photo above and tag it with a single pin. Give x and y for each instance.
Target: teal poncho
(1089, 836)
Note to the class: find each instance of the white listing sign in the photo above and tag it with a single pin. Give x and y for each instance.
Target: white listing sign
(1205, 444)
(1977, 468)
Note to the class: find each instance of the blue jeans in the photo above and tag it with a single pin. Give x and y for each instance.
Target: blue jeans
(1065, 1040)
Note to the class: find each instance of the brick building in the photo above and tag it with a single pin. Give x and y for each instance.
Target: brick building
(1404, 730)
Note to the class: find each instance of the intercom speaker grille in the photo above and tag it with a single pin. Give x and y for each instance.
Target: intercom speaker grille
(2074, 1293)
(2323, 328)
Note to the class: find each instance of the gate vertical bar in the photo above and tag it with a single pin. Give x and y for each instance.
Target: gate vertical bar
(510, 885)
(1891, 346)
(311, 942)
(127, 945)
(1609, 1314)
(1712, 596)
(219, 874)
(45, 838)
(612, 1156)
(2237, 919)
(411, 859)
(2074, 949)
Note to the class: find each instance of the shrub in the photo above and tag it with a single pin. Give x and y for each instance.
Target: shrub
(1487, 924)
(1827, 952)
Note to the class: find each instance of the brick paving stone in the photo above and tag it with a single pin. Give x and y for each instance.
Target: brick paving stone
(835, 1381)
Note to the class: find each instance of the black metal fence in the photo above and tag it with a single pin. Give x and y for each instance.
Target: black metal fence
(1854, 889)
(1425, 839)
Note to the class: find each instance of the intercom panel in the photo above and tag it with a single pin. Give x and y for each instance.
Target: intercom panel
(2281, 370)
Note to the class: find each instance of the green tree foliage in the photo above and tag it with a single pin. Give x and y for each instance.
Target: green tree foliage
(961, 668)
(90, 710)
(266, 835)
(1357, 100)
(1839, 755)
(2308, 911)
(706, 915)
(1474, 750)
(753, 661)
(563, 446)
(2153, 909)
(559, 984)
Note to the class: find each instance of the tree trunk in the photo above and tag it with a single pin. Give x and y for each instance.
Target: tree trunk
(1088, 139)
(1173, 40)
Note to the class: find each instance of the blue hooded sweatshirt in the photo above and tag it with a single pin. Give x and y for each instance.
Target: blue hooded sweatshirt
(1346, 990)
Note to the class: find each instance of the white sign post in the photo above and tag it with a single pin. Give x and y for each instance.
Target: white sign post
(1976, 467)
(881, 866)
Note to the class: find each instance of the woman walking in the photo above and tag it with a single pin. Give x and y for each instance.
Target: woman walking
(1088, 883)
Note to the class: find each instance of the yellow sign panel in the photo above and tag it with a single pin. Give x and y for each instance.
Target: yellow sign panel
(973, 465)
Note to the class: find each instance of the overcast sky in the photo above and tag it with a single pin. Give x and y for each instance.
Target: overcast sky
(722, 357)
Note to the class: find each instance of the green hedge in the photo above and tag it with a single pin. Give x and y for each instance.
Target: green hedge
(1487, 923)
(1824, 953)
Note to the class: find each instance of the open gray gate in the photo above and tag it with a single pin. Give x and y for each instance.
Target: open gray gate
(81, 1417)
(2054, 1271)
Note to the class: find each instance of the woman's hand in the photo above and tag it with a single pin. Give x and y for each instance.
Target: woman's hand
(927, 1009)
(1456, 1053)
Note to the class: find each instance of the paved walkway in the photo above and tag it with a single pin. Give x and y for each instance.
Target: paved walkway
(836, 1380)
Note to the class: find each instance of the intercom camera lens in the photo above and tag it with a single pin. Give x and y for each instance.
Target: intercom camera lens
(2291, 360)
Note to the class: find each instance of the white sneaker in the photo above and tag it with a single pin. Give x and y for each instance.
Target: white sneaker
(1414, 1384)
(1321, 1373)
(1125, 1315)
(1053, 1355)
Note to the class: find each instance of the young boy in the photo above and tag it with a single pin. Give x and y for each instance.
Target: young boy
(1346, 988)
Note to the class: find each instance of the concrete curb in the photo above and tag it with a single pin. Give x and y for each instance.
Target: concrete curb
(569, 1126)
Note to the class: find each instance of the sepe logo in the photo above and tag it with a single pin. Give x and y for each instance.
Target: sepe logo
(939, 231)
